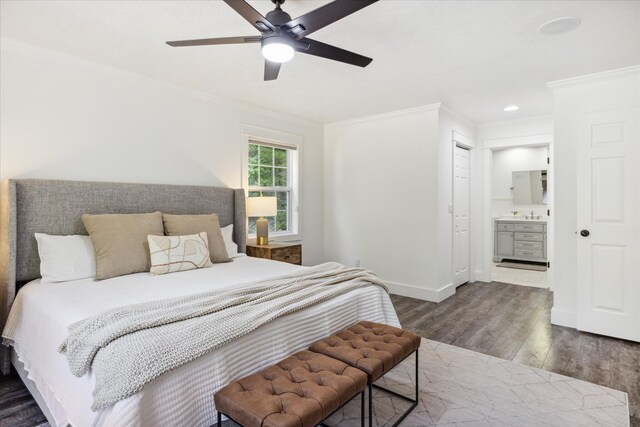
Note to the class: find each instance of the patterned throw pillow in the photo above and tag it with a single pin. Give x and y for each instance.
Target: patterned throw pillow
(178, 253)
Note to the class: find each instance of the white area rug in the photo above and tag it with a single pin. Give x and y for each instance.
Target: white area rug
(460, 387)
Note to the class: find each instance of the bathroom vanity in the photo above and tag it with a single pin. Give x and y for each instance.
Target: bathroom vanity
(520, 239)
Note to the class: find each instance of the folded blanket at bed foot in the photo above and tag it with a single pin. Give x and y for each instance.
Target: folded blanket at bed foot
(128, 347)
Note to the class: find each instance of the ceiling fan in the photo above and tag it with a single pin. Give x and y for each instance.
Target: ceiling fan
(281, 36)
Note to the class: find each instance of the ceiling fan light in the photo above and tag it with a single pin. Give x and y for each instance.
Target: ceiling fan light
(277, 49)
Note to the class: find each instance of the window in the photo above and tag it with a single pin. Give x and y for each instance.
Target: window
(271, 173)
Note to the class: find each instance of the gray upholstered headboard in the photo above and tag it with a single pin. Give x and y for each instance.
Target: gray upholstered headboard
(55, 207)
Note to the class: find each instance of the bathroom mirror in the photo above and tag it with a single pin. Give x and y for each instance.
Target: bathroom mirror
(529, 187)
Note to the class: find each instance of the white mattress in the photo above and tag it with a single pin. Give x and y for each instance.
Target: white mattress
(183, 396)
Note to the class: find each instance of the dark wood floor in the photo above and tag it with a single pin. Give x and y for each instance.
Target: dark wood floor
(512, 322)
(17, 407)
(506, 321)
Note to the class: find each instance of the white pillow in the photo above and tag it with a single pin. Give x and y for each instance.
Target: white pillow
(179, 253)
(64, 258)
(227, 236)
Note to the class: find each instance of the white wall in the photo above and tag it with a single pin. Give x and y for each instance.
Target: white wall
(66, 118)
(388, 184)
(503, 133)
(504, 163)
(380, 184)
(572, 99)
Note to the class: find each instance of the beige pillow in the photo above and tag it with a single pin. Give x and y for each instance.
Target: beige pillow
(120, 241)
(178, 253)
(183, 225)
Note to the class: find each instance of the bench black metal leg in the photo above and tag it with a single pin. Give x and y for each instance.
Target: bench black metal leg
(370, 404)
(219, 424)
(414, 402)
(362, 409)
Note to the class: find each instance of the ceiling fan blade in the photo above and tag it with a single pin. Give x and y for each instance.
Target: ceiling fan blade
(271, 70)
(323, 50)
(251, 15)
(219, 40)
(319, 18)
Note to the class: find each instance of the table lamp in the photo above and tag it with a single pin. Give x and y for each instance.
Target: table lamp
(261, 207)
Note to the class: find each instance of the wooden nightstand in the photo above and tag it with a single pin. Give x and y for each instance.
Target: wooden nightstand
(285, 252)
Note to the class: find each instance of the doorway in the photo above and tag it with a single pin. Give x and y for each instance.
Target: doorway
(461, 239)
(518, 213)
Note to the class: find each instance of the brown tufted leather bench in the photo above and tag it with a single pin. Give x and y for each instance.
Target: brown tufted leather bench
(300, 391)
(375, 349)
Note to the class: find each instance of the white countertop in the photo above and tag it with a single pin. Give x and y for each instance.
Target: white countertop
(542, 219)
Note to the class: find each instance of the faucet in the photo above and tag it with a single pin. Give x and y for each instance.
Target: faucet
(531, 215)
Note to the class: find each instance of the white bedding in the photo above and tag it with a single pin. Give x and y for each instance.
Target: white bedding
(183, 396)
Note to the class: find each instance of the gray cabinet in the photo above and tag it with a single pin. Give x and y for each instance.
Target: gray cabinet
(519, 240)
(504, 244)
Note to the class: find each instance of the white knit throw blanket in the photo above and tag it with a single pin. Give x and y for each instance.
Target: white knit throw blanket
(128, 347)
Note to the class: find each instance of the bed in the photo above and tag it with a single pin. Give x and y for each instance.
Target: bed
(182, 396)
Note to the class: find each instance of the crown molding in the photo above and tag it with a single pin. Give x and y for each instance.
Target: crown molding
(604, 75)
(40, 52)
(396, 113)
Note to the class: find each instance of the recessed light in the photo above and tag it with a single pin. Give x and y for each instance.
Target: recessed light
(511, 108)
(559, 25)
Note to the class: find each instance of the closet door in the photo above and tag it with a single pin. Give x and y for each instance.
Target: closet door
(460, 216)
(608, 237)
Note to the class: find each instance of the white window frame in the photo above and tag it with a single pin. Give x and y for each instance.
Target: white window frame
(272, 137)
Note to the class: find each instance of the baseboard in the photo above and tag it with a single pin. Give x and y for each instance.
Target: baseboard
(412, 291)
(446, 291)
(480, 277)
(564, 318)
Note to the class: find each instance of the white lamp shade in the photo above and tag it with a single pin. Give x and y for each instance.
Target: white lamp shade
(262, 206)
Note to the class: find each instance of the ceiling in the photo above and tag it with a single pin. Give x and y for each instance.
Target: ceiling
(474, 56)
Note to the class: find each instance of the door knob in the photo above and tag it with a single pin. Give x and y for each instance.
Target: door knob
(584, 233)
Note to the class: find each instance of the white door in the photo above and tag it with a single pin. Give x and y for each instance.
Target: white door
(608, 236)
(460, 216)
